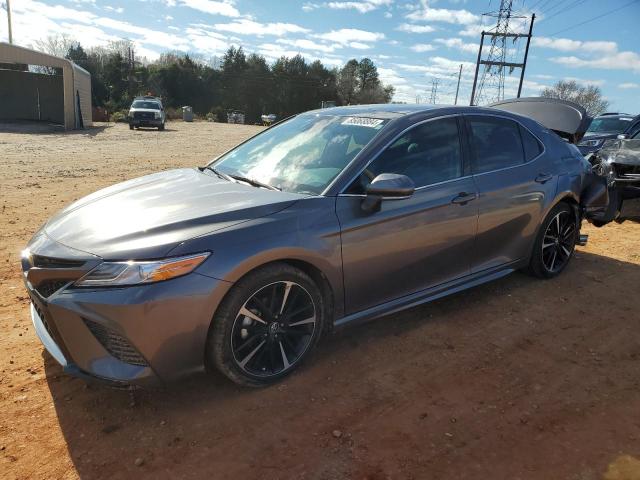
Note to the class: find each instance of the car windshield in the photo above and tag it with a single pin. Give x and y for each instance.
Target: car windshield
(301, 155)
(146, 104)
(609, 124)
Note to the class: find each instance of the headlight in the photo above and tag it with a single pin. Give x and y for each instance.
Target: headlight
(111, 274)
(591, 143)
(157, 115)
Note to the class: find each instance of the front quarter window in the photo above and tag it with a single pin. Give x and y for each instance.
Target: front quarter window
(302, 155)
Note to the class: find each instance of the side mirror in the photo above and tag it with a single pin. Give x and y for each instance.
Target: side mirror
(622, 136)
(387, 186)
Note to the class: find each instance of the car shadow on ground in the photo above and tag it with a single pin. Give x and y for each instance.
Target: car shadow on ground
(375, 379)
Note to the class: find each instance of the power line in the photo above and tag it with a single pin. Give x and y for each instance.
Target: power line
(595, 18)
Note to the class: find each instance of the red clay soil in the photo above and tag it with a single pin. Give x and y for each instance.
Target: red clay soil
(517, 379)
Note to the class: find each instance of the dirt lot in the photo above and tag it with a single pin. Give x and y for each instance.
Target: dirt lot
(518, 379)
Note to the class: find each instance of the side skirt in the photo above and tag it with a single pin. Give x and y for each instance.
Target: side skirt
(428, 295)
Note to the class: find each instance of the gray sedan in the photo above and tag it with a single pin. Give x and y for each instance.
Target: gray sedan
(326, 219)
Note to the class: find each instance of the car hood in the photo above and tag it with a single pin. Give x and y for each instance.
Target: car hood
(148, 216)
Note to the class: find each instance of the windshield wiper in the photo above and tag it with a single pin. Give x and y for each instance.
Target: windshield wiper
(223, 176)
(240, 178)
(255, 183)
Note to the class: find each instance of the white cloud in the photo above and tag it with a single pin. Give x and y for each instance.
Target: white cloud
(114, 9)
(305, 44)
(617, 61)
(458, 44)
(411, 28)
(250, 27)
(359, 46)
(362, 6)
(422, 47)
(224, 8)
(429, 14)
(597, 83)
(568, 45)
(629, 85)
(349, 35)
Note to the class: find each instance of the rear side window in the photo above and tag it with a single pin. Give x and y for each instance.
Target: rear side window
(496, 142)
(532, 147)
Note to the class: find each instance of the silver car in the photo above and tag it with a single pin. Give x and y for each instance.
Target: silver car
(326, 219)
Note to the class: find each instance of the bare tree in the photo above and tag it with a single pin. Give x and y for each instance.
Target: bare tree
(57, 45)
(589, 96)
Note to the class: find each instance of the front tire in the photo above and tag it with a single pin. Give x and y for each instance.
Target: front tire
(161, 127)
(555, 243)
(266, 326)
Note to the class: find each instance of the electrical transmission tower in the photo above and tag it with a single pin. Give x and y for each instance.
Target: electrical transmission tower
(490, 88)
(434, 91)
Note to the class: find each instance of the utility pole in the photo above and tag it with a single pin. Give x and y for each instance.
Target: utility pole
(458, 87)
(491, 85)
(526, 53)
(9, 20)
(434, 91)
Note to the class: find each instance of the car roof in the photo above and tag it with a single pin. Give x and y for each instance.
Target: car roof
(383, 110)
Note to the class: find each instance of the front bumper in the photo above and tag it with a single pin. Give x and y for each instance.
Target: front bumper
(165, 324)
(145, 122)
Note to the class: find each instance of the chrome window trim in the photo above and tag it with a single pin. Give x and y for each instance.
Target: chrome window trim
(497, 115)
(388, 144)
(431, 185)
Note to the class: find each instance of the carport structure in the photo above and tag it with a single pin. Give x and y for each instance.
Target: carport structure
(26, 94)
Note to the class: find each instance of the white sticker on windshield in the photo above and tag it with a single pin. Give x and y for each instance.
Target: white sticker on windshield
(363, 122)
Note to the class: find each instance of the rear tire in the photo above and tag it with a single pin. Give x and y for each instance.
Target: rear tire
(266, 326)
(555, 243)
(130, 127)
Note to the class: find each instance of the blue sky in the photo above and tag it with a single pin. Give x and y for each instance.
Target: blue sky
(412, 42)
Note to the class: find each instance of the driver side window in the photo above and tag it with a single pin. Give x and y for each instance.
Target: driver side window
(429, 153)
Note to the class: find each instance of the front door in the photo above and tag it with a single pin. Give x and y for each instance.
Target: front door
(414, 243)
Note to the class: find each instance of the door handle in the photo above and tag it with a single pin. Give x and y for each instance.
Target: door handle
(543, 177)
(463, 198)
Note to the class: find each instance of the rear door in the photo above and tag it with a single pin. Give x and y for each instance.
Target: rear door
(514, 182)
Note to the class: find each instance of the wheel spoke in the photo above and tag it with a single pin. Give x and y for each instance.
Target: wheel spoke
(547, 245)
(553, 260)
(248, 313)
(565, 250)
(558, 223)
(266, 312)
(248, 342)
(285, 360)
(287, 289)
(304, 322)
(246, 359)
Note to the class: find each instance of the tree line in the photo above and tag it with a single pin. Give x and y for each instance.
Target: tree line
(238, 81)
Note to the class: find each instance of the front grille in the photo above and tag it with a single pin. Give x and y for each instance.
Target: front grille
(52, 262)
(143, 115)
(115, 344)
(49, 287)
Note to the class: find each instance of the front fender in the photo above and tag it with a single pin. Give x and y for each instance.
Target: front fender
(307, 232)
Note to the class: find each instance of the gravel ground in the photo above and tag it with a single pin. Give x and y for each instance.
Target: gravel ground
(517, 379)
